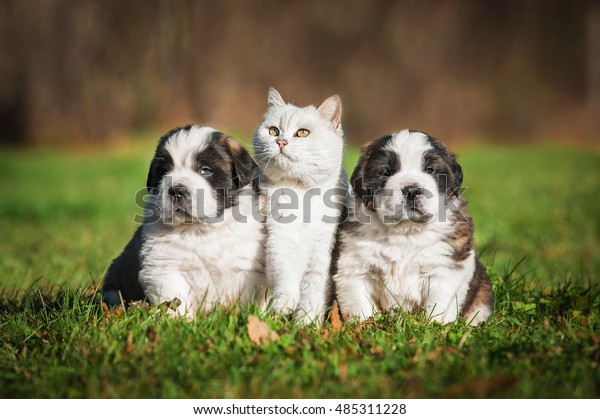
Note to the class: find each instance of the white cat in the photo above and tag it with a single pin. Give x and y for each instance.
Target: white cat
(299, 155)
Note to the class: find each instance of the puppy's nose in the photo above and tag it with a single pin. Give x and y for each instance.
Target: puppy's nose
(178, 192)
(412, 192)
(281, 143)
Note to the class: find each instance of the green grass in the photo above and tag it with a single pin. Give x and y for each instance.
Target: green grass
(64, 216)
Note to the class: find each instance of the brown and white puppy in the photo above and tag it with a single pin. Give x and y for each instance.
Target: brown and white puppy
(408, 241)
(202, 237)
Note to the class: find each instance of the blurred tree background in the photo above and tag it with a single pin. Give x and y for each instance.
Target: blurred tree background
(91, 71)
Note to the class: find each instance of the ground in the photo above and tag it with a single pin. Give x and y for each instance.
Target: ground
(65, 215)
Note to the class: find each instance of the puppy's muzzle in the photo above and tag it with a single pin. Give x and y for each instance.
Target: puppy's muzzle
(412, 195)
(181, 199)
(179, 194)
(412, 192)
(415, 198)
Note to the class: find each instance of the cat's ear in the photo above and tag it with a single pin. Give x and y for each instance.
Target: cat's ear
(274, 98)
(331, 109)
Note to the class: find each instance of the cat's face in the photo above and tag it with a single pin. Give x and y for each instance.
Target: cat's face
(299, 145)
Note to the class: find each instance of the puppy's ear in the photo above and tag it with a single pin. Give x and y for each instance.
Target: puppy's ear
(331, 109)
(357, 180)
(457, 176)
(243, 167)
(152, 179)
(161, 163)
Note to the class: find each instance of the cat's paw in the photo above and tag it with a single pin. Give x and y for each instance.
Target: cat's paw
(305, 317)
(284, 306)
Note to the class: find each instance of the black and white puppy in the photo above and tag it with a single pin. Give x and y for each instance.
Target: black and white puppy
(202, 237)
(408, 241)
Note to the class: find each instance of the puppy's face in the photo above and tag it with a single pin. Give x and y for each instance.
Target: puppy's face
(407, 176)
(196, 173)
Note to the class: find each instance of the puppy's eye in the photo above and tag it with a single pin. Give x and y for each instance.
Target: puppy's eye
(302, 133)
(274, 131)
(385, 173)
(429, 170)
(205, 171)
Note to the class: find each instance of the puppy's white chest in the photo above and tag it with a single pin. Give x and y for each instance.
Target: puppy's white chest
(402, 268)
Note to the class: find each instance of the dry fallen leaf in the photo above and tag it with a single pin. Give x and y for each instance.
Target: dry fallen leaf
(129, 348)
(151, 334)
(170, 305)
(119, 310)
(377, 350)
(140, 304)
(336, 322)
(110, 312)
(432, 356)
(259, 332)
(418, 355)
(343, 372)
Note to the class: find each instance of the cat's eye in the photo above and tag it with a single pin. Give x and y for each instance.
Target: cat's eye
(274, 131)
(302, 132)
(429, 170)
(205, 171)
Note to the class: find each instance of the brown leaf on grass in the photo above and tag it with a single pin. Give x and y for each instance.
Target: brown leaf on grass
(417, 355)
(170, 305)
(41, 336)
(481, 387)
(151, 334)
(110, 312)
(129, 348)
(334, 316)
(432, 356)
(450, 350)
(140, 304)
(343, 371)
(259, 332)
(377, 350)
(119, 310)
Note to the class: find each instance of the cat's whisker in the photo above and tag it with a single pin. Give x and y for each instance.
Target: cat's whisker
(267, 157)
(267, 164)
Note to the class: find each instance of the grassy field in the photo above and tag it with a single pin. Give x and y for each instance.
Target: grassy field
(64, 216)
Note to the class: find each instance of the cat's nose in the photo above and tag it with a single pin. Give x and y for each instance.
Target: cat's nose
(281, 143)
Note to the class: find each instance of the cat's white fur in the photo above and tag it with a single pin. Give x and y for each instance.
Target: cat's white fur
(300, 185)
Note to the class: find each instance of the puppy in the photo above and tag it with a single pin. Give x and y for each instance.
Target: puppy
(408, 241)
(202, 237)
